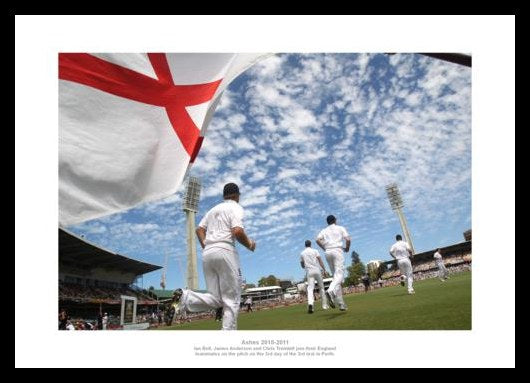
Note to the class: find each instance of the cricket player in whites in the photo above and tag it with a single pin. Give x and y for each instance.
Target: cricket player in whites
(443, 274)
(331, 240)
(217, 233)
(401, 252)
(314, 267)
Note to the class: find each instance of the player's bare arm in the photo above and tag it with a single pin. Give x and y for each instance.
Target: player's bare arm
(242, 238)
(319, 243)
(201, 234)
(302, 264)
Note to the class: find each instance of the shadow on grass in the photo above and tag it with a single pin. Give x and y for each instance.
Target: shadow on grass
(398, 295)
(334, 315)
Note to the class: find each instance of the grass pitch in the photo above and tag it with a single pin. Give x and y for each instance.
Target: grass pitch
(435, 306)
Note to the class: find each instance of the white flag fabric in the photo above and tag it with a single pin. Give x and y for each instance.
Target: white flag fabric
(130, 125)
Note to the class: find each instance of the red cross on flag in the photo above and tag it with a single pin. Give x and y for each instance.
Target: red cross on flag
(130, 125)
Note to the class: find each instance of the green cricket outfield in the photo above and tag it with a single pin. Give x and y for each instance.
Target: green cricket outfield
(435, 306)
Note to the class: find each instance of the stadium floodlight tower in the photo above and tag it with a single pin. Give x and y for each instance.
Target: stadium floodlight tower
(394, 196)
(190, 206)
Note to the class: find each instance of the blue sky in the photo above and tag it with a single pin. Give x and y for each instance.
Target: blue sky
(307, 135)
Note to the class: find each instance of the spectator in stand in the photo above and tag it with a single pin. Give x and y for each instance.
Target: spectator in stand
(63, 319)
(248, 303)
(100, 321)
(366, 282)
(70, 326)
(380, 282)
(105, 321)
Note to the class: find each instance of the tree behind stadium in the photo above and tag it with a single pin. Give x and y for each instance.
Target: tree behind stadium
(355, 258)
(271, 280)
(355, 271)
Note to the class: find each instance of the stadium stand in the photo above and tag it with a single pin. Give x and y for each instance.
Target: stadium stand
(92, 281)
(263, 293)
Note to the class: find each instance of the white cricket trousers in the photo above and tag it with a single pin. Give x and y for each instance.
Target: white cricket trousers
(312, 277)
(336, 264)
(405, 267)
(223, 282)
(442, 271)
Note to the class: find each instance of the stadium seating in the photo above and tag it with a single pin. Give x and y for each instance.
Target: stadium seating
(79, 293)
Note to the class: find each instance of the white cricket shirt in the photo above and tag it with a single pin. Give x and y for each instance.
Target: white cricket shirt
(400, 250)
(219, 222)
(309, 257)
(332, 236)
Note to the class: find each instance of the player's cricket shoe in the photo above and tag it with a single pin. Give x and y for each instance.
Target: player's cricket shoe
(310, 309)
(219, 314)
(179, 296)
(343, 307)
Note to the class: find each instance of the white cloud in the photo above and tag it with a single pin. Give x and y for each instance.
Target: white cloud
(258, 175)
(268, 67)
(413, 99)
(287, 173)
(94, 228)
(255, 196)
(276, 207)
(243, 143)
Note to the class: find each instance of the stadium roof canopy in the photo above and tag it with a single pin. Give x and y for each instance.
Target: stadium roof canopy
(163, 294)
(266, 288)
(78, 252)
